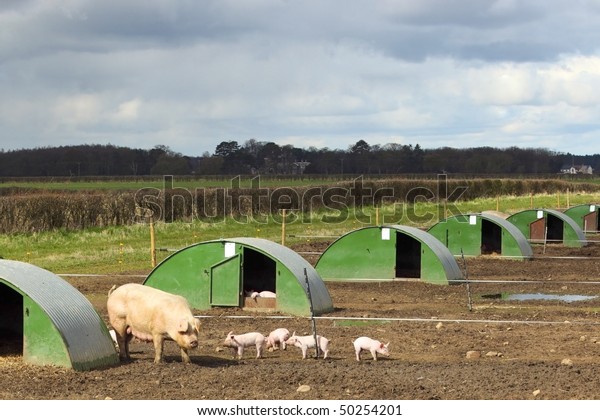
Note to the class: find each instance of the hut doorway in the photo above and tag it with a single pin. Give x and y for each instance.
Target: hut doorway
(408, 256)
(11, 321)
(259, 275)
(491, 238)
(259, 272)
(555, 228)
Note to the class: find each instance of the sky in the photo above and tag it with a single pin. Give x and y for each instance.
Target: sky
(190, 74)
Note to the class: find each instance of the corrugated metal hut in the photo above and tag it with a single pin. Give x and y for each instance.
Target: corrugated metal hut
(546, 225)
(587, 216)
(379, 253)
(223, 272)
(481, 233)
(50, 322)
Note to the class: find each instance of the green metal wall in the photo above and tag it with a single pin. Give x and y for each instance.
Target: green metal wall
(361, 255)
(432, 269)
(42, 343)
(460, 234)
(577, 213)
(463, 234)
(207, 276)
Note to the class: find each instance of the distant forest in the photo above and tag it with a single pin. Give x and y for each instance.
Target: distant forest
(268, 158)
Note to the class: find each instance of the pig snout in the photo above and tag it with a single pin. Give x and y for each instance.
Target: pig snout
(193, 344)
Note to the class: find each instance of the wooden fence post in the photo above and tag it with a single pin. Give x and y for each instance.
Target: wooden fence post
(152, 244)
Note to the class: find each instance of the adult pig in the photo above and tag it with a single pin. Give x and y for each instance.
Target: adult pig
(149, 314)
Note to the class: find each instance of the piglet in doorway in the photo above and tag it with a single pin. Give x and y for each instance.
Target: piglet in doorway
(264, 294)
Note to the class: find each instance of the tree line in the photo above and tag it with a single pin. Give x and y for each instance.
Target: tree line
(268, 158)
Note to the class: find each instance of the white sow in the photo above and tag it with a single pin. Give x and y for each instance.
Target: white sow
(149, 314)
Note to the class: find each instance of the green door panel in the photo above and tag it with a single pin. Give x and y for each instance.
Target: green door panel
(225, 282)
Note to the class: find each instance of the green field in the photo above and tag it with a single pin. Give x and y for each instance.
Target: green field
(245, 181)
(191, 183)
(125, 249)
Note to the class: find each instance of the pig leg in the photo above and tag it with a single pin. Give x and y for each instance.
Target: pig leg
(240, 351)
(158, 348)
(185, 357)
(123, 341)
(358, 355)
(304, 351)
(259, 350)
(374, 354)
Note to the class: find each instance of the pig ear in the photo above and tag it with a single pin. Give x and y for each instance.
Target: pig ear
(381, 345)
(388, 343)
(230, 333)
(183, 325)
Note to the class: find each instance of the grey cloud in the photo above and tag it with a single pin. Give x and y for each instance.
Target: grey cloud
(329, 72)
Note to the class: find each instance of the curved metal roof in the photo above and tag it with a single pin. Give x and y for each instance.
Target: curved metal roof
(586, 205)
(86, 337)
(321, 300)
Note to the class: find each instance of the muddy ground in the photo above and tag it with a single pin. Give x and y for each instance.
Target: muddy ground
(531, 349)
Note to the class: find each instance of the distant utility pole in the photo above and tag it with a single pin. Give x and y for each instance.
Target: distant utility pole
(302, 166)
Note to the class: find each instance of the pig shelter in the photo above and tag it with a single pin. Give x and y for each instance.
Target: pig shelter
(379, 253)
(587, 216)
(49, 321)
(481, 234)
(222, 273)
(546, 225)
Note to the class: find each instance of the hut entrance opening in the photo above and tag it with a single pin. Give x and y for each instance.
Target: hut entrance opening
(259, 275)
(408, 256)
(491, 237)
(555, 228)
(11, 322)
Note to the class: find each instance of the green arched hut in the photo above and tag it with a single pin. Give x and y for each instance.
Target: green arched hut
(220, 273)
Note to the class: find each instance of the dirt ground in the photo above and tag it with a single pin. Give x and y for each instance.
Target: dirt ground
(529, 349)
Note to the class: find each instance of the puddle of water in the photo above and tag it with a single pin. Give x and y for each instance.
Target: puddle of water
(539, 296)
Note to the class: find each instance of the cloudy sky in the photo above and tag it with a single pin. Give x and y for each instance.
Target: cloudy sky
(193, 73)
